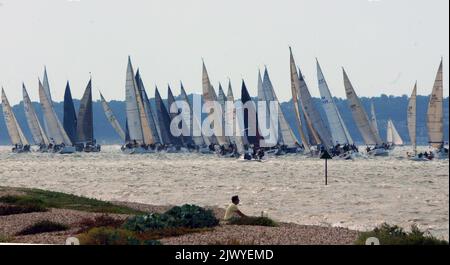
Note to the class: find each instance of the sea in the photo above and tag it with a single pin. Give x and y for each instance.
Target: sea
(360, 194)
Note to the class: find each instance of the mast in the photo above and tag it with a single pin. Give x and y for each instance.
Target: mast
(178, 140)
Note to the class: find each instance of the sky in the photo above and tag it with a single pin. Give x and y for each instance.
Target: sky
(384, 45)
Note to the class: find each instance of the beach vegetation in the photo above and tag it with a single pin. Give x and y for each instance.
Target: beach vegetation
(253, 220)
(44, 226)
(103, 220)
(188, 216)
(6, 209)
(51, 199)
(113, 236)
(395, 235)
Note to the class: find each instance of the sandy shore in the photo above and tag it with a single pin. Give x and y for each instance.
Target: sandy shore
(285, 233)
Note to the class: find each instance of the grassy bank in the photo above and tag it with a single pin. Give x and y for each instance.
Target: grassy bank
(44, 199)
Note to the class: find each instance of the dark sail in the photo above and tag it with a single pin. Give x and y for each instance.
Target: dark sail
(85, 122)
(148, 109)
(163, 120)
(250, 118)
(70, 116)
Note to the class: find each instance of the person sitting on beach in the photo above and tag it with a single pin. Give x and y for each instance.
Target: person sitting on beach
(232, 210)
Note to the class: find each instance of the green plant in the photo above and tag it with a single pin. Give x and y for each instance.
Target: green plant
(395, 235)
(19, 209)
(251, 220)
(113, 236)
(193, 216)
(189, 216)
(43, 227)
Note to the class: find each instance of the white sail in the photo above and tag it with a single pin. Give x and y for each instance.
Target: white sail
(373, 118)
(39, 136)
(221, 98)
(368, 133)
(295, 86)
(265, 95)
(143, 115)
(412, 118)
(195, 123)
(285, 134)
(132, 107)
(112, 118)
(337, 126)
(56, 132)
(209, 96)
(392, 135)
(15, 132)
(46, 86)
(435, 115)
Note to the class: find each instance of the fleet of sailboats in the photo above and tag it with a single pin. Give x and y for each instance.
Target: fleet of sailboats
(234, 128)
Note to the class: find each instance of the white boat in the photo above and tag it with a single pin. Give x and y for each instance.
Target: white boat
(378, 152)
(67, 150)
(393, 138)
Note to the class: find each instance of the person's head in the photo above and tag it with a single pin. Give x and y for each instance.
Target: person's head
(235, 199)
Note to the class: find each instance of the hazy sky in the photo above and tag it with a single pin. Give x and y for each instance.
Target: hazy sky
(385, 45)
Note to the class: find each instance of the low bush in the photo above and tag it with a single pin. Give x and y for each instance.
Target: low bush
(19, 209)
(43, 227)
(193, 216)
(395, 235)
(189, 216)
(99, 221)
(113, 236)
(251, 220)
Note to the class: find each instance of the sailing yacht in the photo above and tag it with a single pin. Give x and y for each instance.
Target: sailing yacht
(140, 137)
(18, 139)
(393, 138)
(365, 127)
(286, 140)
(435, 118)
(39, 137)
(344, 145)
(85, 123)
(58, 138)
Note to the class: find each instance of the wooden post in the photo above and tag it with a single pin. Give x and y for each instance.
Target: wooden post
(325, 155)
